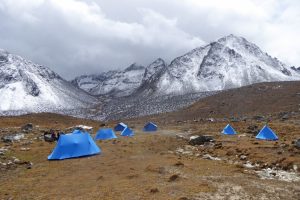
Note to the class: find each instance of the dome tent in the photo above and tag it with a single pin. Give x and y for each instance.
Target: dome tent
(120, 126)
(74, 145)
(266, 134)
(150, 126)
(228, 130)
(105, 134)
(127, 132)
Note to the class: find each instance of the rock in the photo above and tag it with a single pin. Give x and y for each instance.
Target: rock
(154, 190)
(160, 170)
(27, 127)
(273, 173)
(209, 157)
(211, 119)
(16, 161)
(200, 139)
(253, 129)
(3, 150)
(218, 145)
(174, 177)
(48, 138)
(234, 119)
(183, 198)
(12, 137)
(179, 164)
(24, 149)
(29, 165)
(284, 116)
(182, 136)
(258, 118)
(297, 144)
(243, 157)
(102, 125)
(284, 145)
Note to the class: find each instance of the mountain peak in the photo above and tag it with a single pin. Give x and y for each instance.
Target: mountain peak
(134, 66)
(158, 61)
(40, 88)
(232, 38)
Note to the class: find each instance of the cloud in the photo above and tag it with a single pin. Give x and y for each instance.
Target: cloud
(76, 37)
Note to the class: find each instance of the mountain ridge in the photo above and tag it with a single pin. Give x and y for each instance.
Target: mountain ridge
(228, 62)
(27, 86)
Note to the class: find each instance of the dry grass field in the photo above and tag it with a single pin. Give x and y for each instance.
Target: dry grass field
(150, 165)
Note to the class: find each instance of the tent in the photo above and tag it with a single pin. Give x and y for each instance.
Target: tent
(105, 134)
(74, 145)
(150, 127)
(266, 134)
(228, 130)
(77, 131)
(127, 132)
(120, 126)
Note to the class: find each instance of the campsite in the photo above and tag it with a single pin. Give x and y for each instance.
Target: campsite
(152, 165)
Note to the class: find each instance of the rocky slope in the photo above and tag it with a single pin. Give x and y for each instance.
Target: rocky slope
(113, 83)
(26, 86)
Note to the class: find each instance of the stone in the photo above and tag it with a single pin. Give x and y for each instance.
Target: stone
(243, 157)
(200, 139)
(24, 149)
(179, 163)
(218, 145)
(258, 118)
(27, 127)
(16, 161)
(284, 116)
(209, 157)
(297, 144)
(12, 137)
(154, 190)
(174, 177)
(102, 125)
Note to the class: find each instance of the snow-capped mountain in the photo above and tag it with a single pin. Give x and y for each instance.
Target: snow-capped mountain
(152, 74)
(229, 62)
(30, 87)
(113, 83)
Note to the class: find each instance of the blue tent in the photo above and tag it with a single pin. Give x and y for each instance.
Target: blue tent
(120, 126)
(266, 134)
(77, 131)
(150, 127)
(127, 132)
(228, 130)
(74, 145)
(105, 134)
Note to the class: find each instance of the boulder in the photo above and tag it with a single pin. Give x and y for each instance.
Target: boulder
(200, 139)
(12, 137)
(27, 127)
(48, 137)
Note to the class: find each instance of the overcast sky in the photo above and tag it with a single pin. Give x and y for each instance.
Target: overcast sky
(75, 37)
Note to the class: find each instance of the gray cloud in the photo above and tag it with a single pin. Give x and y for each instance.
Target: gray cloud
(76, 37)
